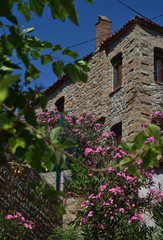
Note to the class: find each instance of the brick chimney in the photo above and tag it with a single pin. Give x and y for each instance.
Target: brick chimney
(103, 30)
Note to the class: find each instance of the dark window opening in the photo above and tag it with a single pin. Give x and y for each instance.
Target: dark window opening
(60, 104)
(101, 120)
(117, 129)
(158, 66)
(117, 71)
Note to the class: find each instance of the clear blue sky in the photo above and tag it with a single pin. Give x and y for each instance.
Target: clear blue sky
(67, 34)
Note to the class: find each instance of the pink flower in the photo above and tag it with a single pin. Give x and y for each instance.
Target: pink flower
(121, 210)
(99, 149)
(92, 195)
(90, 214)
(9, 217)
(102, 187)
(88, 151)
(100, 226)
(27, 226)
(83, 220)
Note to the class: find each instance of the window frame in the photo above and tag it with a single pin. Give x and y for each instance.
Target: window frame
(158, 71)
(117, 68)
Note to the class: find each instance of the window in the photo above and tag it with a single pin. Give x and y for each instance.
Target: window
(117, 71)
(117, 129)
(158, 66)
(60, 104)
(101, 120)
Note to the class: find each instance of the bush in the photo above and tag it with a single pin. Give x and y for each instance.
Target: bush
(114, 205)
(68, 233)
(16, 227)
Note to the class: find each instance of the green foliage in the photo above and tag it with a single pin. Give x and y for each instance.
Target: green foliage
(68, 233)
(158, 216)
(140, 150)
(19, 129)
(15, 227)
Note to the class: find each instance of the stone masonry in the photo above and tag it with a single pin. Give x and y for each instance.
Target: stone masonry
(137, 97)
(14, 192)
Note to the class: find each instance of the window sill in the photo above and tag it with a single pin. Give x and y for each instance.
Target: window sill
(115, 90)
(159, 83)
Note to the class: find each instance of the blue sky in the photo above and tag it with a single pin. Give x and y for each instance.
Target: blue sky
(67, 34)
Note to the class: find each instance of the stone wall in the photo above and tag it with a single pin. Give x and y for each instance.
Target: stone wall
(138, 96)
(14, 191)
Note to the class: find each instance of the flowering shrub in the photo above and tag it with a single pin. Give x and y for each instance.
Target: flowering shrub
(15, 227)
(68, 233)
(113, 205)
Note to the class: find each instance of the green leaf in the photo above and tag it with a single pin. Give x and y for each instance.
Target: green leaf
(82, 76)
(60, 211)
(25, 10)
(89, 1)
(67, 143)
(7, 81)
(14, 143)
(46, 59)
(4, 85)
(11, 65)
(34, 72)
(37, 6)
(73, 16)
(3, 94)
(59, 159)
(124, 161)
(161, 140)
(27, 77)
(33, 156)
(30, 117)
(154, 131)
(56, 48)
(71, 73)
(139, 140)
(48, 165)
(127, 147)
(6, 121)
(43, 101)
(70, 53)
(133, 169)
(6, 10)
(69, 10)
(83, 65)
(55, 133)
(58, 68)
(28, 30)
(149, 158)
(1, 24)
(35, 55)
(7, 45)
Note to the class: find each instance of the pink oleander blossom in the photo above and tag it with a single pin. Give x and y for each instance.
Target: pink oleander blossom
(90, 214)
(83, 221)
(88, 151)
(9, 217)
(27, 226)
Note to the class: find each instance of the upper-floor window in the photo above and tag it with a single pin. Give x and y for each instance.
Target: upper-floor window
(158, 66)
(117, 71)
(60, 104)
(117, 129)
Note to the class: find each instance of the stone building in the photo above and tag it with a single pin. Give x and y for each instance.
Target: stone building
(125, 83)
